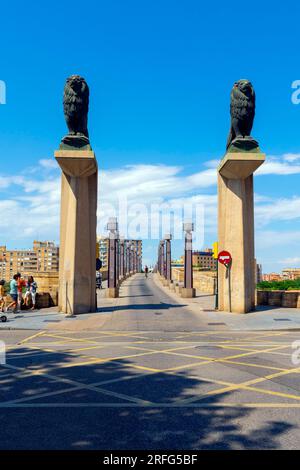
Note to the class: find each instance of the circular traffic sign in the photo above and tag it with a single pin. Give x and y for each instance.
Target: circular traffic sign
(224, 257)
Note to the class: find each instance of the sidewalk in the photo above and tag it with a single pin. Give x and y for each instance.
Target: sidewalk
(110, 313)
(50, 318)
(263, 318)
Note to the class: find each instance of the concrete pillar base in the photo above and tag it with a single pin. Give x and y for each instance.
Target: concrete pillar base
(188, 293)
(112, 292)
(178, 289)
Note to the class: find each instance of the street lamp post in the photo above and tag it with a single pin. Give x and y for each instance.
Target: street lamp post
(168, 272)
(132, 258)
(128, 259)
(117, 257)
(158, 259)
(122, 260)
(188, 289)
(112, 227)
(162, 258)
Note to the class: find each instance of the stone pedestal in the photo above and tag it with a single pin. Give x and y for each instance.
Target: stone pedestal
(77, 275)
(112, 292)
(236, 230)
(188, 293)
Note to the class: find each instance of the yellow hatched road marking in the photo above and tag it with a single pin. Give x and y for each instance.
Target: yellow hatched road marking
(95, 360)
(260, 366)
(243, 384)
(31, 337)
(76, 384)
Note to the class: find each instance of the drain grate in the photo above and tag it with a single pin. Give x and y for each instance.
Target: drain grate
(282, 319)
(51, 321)
(216, 323)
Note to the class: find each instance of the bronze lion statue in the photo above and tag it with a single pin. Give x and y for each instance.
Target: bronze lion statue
(242, 110)
(76, 106)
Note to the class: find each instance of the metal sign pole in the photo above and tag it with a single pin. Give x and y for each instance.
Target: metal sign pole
(217, 289)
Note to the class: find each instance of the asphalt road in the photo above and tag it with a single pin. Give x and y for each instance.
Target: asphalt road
(149, 380)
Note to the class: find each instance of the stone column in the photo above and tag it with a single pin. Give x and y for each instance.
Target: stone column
(159, 259)
(122, 260)
(78, 222)
(128, 258)
(188, 290)
(162, 258)
(168, 238)
(112, 287)
(117, 259)
(236, 230)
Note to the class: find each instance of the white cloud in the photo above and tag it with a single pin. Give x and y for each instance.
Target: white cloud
(280, 165)
(291, 261)
(48, 163)
(278, 210)
(33, 206)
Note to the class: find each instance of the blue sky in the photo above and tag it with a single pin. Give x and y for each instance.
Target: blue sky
(160, 74)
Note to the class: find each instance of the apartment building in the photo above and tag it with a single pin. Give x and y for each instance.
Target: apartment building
(43, 257)
(204, 259)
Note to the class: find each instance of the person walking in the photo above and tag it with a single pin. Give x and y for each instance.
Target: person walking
(31, 288)
(146, 271)
(2, 296)
(14, 294)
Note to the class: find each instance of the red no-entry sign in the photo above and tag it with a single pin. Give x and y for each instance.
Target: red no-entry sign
(224, 257)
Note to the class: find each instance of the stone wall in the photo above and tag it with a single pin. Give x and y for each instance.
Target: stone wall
(204, 281)
(48, 283)
(279, 298)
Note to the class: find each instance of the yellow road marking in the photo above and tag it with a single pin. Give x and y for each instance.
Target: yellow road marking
(74, 382)
(272, 392)
(31, 337)
(94, 360)
(260, 366)
(70, 339)
(243, 384)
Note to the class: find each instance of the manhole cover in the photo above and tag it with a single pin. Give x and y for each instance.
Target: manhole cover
(216, 323)
(157, 313)
(51, 321)
(282, 319)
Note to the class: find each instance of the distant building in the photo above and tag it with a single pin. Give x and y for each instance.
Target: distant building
(43, 257)
(47, 256)
(291, 273)
(272, 277)
(204, 259)
(103, 252)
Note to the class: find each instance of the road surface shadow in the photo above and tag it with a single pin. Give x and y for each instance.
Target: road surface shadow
(125, 408)
(160, 306)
